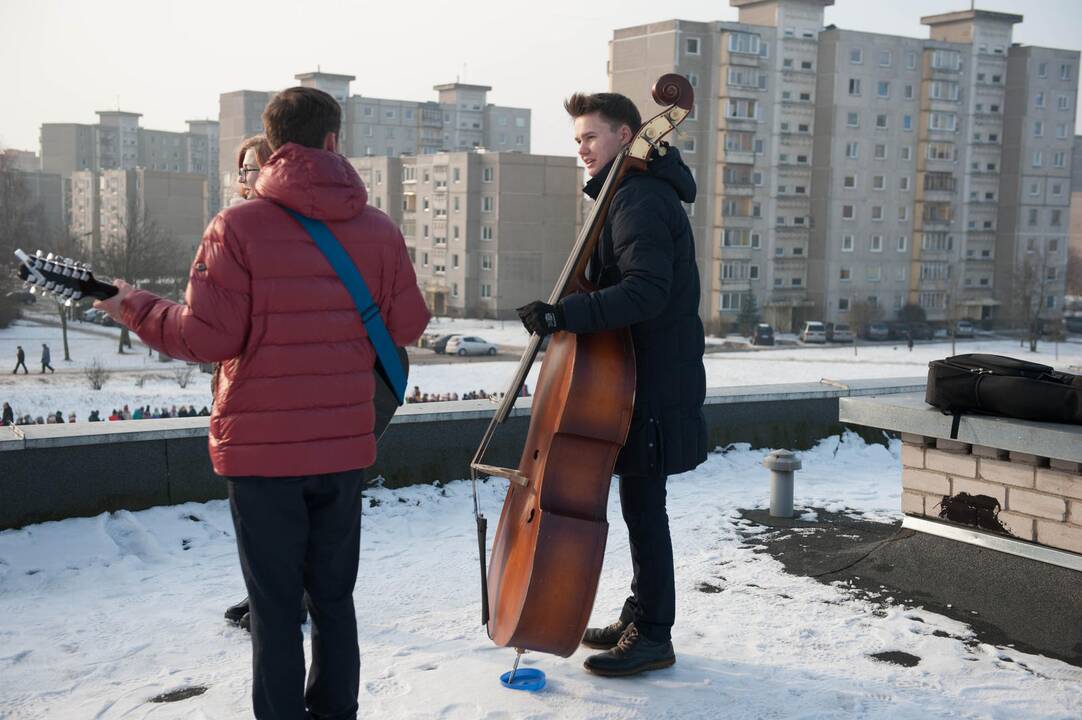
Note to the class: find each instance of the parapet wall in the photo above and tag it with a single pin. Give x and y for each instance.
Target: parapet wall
(51, 472)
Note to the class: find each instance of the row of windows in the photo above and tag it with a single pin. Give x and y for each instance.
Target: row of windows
(488, 262)
(879, 151)
(875, 243)
(849, 212)
(1063, 102)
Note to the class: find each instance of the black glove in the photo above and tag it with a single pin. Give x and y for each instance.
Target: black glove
(541, 318)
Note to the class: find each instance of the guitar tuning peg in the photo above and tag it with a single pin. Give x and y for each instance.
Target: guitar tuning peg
(33, 289)
(75, 296)
(38, 254)
(50, 257)
(68, 303)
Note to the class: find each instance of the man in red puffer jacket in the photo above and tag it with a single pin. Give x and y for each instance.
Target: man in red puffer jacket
(293, 415)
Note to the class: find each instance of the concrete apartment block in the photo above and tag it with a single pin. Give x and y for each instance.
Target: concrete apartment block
(460, 119)
(118, 142)
(840, 170)
(487, 232)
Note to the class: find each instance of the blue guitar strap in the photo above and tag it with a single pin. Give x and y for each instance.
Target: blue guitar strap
(339, 259)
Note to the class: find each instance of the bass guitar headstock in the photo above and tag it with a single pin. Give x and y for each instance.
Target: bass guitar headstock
(62, 277)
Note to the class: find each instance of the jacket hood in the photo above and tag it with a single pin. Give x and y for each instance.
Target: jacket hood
(668, 167)
(316, 183)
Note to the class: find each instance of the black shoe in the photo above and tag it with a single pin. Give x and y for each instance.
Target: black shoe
(234, 613)
(632, 655)
(606, 637)
(245, 622)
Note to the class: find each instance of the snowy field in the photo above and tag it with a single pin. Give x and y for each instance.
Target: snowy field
(68, 390)
(99, 615)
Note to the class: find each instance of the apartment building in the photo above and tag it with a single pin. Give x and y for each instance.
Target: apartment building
(44, 192)
(461, 118)
(105, 204)
(1076, 197)
(487, 232)
(841, 169)
(118, 142)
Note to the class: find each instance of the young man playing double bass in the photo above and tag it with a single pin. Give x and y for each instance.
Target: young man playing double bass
(647, 279)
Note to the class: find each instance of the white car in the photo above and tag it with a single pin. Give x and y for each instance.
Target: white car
(470, 345)
(813, 332)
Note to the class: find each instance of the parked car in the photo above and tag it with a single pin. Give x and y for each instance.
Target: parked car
(92, 315)
(439, 345)
(470, 345)
(877, 331)
(963, 329)
(1073, 324)
(23, 296)
(813, 332)
(763, 334)
(920, 330)
(897, 330)
(839, 332)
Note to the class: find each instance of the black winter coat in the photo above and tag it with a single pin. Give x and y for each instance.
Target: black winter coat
(648, 280)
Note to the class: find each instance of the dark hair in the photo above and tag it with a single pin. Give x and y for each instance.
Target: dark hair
(301, 115)
(614, 108)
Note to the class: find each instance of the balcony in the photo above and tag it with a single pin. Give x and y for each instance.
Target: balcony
(738, 189)
(740, 157)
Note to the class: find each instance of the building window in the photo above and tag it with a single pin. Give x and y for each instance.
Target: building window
(1038, 159)
(1055, 219)
(1042, 70)
(903, 214)
(688, 145)
(881, 121)
(691, 46)
(1039, 100)
(486, 232)
(852, 120)
(907, 152)
(911, 60)
(907, 122)
(847, 243)
(903, 182)
(854, 86)
(848, 212)
(883, 89)
(1063, 102)
(877, 213)
(903, 243)
(849, 182)
(852, 150)
(856, 56)
(880, 152)
(879, 182)
(885, 58)
(873, 273)
(746, 43)
(845, 274)
(1064, 72)
(486, 291)
(843, 304)
(876, 244)
(693, 79)
(486, 262)
(1038, 128)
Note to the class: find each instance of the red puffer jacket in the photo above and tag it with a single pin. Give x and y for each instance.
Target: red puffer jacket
(295, 388)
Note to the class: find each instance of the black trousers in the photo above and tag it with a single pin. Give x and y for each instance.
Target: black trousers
(295, 536)
(23, 364)
(652, 603)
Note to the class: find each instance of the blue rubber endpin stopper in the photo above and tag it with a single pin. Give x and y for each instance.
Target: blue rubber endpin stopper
(528, 679)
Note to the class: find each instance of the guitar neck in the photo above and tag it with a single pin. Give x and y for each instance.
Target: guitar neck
(62, 277)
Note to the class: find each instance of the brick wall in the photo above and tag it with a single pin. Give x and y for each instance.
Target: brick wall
(1041, 498)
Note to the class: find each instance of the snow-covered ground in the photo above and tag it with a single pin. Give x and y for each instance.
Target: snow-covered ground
(68, 391)
(99, 615)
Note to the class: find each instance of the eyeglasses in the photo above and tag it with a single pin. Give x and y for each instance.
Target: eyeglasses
(242, 174)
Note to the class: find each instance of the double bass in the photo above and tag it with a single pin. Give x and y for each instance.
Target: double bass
(539, 587)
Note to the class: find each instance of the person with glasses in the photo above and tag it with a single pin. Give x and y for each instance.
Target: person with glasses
(251, 156)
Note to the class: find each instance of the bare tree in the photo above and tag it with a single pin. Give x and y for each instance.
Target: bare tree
(1031, 284)
(1074, 270)
(96, 374)
(862, 314)
(142, 250)
(183, 374)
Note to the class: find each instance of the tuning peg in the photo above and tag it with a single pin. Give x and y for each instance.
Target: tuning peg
(50, 257)
(33, 289)
(77, 295)
(38, 254)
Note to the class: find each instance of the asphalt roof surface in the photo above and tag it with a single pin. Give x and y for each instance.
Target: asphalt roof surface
(1007, 600)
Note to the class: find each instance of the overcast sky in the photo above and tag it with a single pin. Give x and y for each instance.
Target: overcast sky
(61, 61)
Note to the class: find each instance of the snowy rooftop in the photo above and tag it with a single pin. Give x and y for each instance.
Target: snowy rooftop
(99, 615)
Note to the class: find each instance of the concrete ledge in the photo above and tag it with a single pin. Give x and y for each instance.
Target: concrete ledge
(908, 413)
(50, 472)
